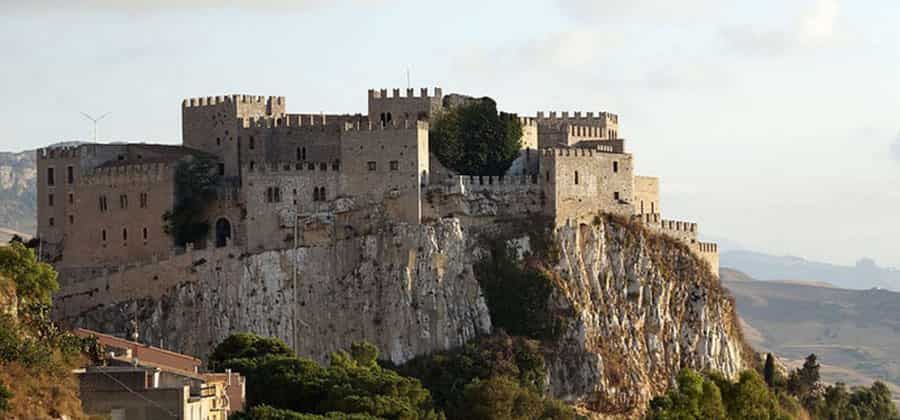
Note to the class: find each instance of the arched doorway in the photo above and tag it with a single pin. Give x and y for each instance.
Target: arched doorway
(223, 232)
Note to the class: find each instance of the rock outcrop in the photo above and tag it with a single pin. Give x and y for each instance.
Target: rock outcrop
(639, 306)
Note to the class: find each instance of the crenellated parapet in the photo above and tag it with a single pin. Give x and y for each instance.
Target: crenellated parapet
(382, 94)
(679, 226)
(585, 118)
(356, 122)
(708, 247)
(60, 152)
(292, 167)
(137, 173)
(578, 151)
(205, 101)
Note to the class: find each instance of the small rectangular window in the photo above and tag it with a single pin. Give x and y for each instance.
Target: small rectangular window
(395, 165)
(103, 235)
(145, 234)
(123, 201)
(52, 221)
(70, 175)
(50, 200)
(616, 195)
(71, 198)
(103, 204)
(51, 181)
(372, 165)
(221, 169)
(615, 166)
(143, 200)
(71, 219)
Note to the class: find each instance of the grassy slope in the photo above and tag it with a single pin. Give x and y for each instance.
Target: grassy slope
(855, 333)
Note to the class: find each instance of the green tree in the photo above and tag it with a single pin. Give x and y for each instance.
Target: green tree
(352, 383)
(247, 346)
(475, 139)
(769, 370)
(804, 381)
(860, 403)
(694, 397)
(502, 398)
(195, 186)
(266, 412)
(35, 280)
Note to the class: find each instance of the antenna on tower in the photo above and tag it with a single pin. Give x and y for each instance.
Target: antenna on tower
(95, 120)
(408, 85)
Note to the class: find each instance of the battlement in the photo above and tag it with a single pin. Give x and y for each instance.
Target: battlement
(564, 116)
(678, 226)
(229, 99)
(527, 122)
(464, 184)
(59, 152)
(410, 93)
(585, 131)
(648, 218)
(579, 151)
(129, 173)
(708, 247)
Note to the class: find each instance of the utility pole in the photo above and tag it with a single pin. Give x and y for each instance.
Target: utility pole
(95, 120)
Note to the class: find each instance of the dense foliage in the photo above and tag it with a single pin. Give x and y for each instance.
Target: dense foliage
(518, 295)
(35, 281)
(496, 377)
(267, 412)
(800, 395)
(714, 397)
(475, 139)
(195, 186)
(353, 383)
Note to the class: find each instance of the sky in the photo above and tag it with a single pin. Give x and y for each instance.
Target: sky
(772, 123)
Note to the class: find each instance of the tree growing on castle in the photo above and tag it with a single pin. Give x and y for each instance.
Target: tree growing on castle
(475, 139)
(195, 187)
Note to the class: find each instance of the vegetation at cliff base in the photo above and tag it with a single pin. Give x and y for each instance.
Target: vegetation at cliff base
(494, 377)
(352, 386)
(195, 187)
(474, 139)
(771, 396)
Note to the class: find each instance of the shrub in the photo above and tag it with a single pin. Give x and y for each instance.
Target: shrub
(35, 281)
(518, 298)
(475, 139)
(5, 396)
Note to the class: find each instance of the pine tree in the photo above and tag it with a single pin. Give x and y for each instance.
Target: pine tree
(769, 370)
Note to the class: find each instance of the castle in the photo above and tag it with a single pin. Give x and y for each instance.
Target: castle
(298, 180)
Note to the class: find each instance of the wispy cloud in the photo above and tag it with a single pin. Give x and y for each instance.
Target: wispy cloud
(147, 6)
(815, 28)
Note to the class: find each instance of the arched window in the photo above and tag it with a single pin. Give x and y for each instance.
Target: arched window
(576, 177)
(223, 232)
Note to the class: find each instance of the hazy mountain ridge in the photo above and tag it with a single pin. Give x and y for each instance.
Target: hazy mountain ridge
(18, 195)
(864, 275)
(856, 333)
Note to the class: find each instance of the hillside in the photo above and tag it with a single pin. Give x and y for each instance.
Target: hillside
(864, 275)
(17, 191)
(855, 333)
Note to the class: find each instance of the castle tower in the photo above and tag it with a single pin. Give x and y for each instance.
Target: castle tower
(384, 108)
(211, 124)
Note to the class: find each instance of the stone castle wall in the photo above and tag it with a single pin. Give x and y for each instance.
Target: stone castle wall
(395, 107)
(584, 182)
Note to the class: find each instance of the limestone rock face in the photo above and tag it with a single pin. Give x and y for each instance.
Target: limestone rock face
(636, 307)
(408, 289)
(642, 309)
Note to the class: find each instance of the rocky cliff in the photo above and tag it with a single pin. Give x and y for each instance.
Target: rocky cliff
(639, 307)
(17, 191)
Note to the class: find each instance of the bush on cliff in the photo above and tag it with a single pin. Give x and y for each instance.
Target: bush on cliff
(517, 296)
(353, 382)
(474, 139)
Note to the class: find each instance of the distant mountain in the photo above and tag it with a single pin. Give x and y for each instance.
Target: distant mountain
(855, 333)
(17, 191)
(864, 275)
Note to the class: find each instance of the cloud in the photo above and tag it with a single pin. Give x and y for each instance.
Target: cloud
(604, 10)
(814, 28)
(41, 7)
